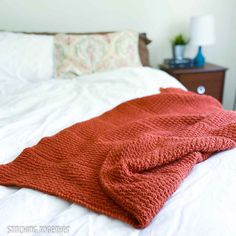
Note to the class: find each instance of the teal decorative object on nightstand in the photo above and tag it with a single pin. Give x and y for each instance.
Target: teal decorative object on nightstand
(199, 60)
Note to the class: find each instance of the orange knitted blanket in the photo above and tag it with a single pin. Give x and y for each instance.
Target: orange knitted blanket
(127, 162)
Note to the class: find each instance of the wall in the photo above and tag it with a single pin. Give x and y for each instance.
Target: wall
(160, 19)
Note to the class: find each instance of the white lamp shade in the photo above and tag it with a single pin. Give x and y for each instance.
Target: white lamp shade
(202, 30)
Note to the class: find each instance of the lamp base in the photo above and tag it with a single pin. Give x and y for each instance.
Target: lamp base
(199, 60)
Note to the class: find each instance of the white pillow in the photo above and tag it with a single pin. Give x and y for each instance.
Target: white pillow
(26, 57)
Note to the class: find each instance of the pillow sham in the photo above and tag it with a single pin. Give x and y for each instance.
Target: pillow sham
(76, 55)
(26, 57)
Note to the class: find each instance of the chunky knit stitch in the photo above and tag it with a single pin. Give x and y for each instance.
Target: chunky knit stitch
(127, 162)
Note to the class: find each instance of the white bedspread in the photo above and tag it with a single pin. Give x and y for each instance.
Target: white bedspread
(205, 204)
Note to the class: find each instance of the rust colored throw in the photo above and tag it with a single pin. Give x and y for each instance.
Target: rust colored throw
(127, 162)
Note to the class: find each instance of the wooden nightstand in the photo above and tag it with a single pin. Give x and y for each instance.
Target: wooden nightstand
(208, 80)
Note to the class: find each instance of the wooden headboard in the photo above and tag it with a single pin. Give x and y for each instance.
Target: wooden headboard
(143, 42)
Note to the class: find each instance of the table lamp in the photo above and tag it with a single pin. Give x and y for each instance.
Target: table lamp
(202, 33)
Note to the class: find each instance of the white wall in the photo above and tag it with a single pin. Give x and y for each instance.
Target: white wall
(161, 19)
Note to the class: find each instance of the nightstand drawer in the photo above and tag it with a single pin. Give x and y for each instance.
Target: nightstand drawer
(207, 83)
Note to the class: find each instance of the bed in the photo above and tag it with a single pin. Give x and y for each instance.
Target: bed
(204, 204)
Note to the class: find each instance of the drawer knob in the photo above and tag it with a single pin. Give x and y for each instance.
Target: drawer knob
(201, 89)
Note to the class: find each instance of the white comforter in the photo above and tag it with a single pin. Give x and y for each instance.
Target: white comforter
(205, 204)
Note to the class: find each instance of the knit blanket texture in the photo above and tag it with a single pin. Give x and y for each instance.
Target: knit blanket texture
(127, 162)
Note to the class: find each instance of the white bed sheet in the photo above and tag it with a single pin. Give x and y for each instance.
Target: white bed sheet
(205, 204)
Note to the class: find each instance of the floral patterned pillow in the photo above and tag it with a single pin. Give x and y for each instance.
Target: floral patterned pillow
(76, 55)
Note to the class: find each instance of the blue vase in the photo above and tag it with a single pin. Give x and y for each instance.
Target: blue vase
(199, 60)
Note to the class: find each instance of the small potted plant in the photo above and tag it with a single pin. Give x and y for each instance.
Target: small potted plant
(178, 46)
